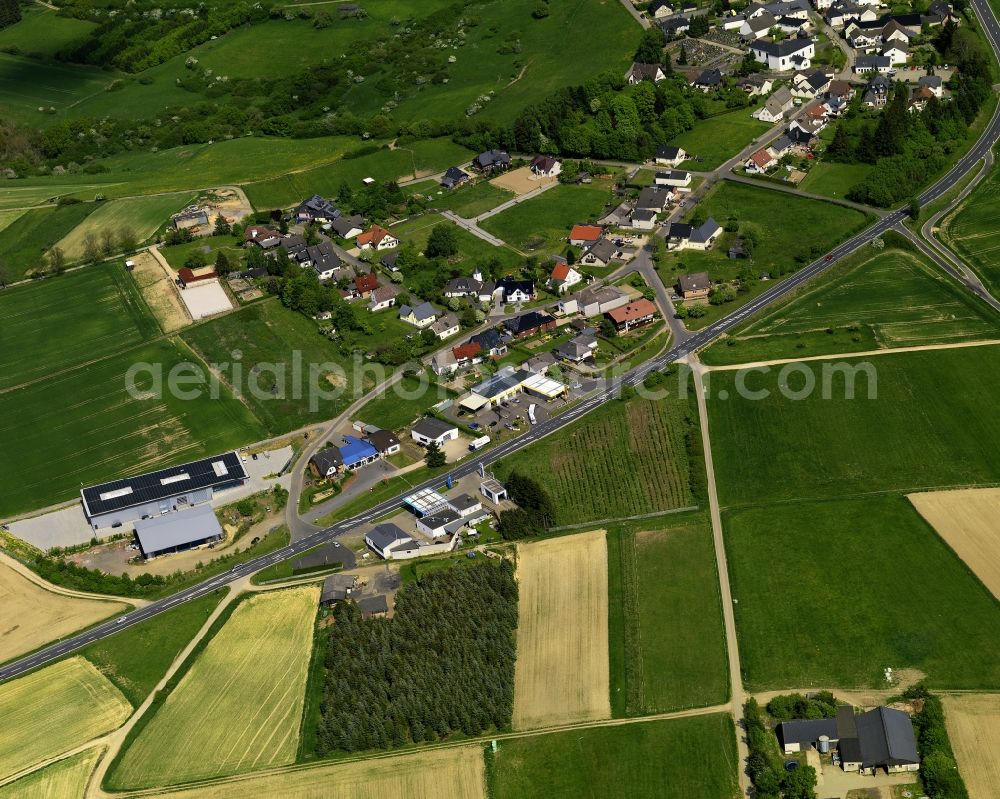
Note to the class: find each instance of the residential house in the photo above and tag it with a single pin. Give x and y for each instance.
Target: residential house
(637, 73)
(708, 80)
(347, 227)
(892, 31)
(896, 52)
(263, 237)
(545, 166)
(563, 278)
(357, 453)
(293, 244)
(593, 301)
(919, 98)
(578, 349)
(422, 315)
(867, 64)
(760, 162)
(326, 463)
(810, 86)
(732, 23)
(377, 238)
(776, 107)
(792, 26)
(384, 539)
(444, 363)
(803, 131)
(643, 219)
(384, 441)
(530, 323)
(863, 36)
(602, 253)
(492, 161)
(687, 237)
(785, 55)
(756, 84)
(388, 260)
(781, 146)
(674, 26)
(513, 290)
(694, 286)
(635, 314)
(433, 431)
(840, 89)
(364, 285)
(877, 92)
(585, 235)
(933, 83)
(675, 178)
(316, 209)
(490, 342)
(757, 27)
(659, 9)
(322, 258)
(668, 155)
(383, 297)
(446, 327)
(467, 354)
(541, 363)
(454, 177)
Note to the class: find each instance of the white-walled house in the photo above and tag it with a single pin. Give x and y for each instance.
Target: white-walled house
(787, 55)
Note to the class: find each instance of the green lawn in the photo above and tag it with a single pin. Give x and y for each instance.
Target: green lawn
(539, 226)
(136, 659)
(403, 403)
(834, 180)
(931, 425)
(831, 593)
(641, 465)
(674, 759)
(467, 201)
(143, 215)
(717, 139)
(672, 639)
(82, 426)
(61, 322)
(268, 333)
(24, 243)
(874, 300)
(472, 250)
(43, 32)
(208, 246)
(973, 232)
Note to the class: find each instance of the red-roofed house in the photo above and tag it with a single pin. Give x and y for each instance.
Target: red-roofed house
(468, 353)
(636, 313)
(760, 161)
(584, 235)
(364, 285)
(563, 277)
(377, 238)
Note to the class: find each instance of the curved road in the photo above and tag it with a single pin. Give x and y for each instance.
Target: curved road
(697, 340)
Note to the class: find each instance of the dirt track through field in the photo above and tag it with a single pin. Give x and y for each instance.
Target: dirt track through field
(969, 522)
(562, 673)
(973, 724)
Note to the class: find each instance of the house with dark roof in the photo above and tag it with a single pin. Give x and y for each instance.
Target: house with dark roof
(866, 64)
(668, 155)
(545, 166)
(694, 286)
(708, 79)
(454, 177)
(529, 323)
(657, 198)
(776, 106)
(675, 25)
(492, 161)
(490, 343)
(578, 349)
(637, 73)
(684, 237)
(262, 236)
(373, 607)
(430, 430)
(603, 252)
(422, 315)
(347, 227)
(326, 463)
(513, 289)
(796, 53)
(316, 209)
(384, 441)
(322, 258)
(385, 539)
(382, 297)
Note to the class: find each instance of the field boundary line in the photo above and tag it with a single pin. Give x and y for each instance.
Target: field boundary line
(636, 517)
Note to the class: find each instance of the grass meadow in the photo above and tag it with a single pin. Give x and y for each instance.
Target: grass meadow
(81, 426)
(177, 254)
(624, 458)
(57, 324)
(42, 32)
(467, 201)
(717, 139)
(672, 759)
(27, 84)
(931, 426)
(834, 180)
(53, 710)
(973, 232)
(830, 593)
(391, 411)
(878, 300)
(665, 616)
(144, 215)
(66, 777)
(472, 250)
(23, 243)
(239, 706)
(539, 226)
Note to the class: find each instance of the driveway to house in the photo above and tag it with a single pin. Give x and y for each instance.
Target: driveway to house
(837, 41)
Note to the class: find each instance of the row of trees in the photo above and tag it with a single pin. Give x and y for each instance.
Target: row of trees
(443, 664)
(938, 769)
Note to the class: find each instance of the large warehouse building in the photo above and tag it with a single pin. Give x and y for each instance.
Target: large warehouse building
(175, 532)
(154, 494)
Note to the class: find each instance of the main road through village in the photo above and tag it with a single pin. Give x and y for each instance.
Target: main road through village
(613, 388)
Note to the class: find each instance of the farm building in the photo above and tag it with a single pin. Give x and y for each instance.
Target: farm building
(388, 541)
(163, 491)
(175, 532)
(337, 588)
(433, 431)
(190, 218)
(373, 606)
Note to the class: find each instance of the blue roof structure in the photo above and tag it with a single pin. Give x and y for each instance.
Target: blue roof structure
(355, 451)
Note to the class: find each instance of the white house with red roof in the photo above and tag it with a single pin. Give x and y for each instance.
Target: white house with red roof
(563, 277)
(760, 161)
(585, 235)
(377, 238)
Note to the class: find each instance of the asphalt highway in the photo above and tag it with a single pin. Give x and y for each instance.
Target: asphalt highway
(697, 340)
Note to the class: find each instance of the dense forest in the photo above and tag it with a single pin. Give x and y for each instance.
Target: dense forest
(443, 664)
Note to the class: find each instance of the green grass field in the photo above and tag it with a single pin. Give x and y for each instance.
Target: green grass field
(136, 659)
(931, 426)
(674, 759)
(82, 426)
(834, 180)
(472, 250)
(973, 232)
(42, 32)
(719, 138)
(66, 321)
(209, 246)
(877, 300)
(26, 85)
(53, 710)
(23, 243)
(467, 201)
(269, 333)
(66, 777)
(668, 622)
(540, 225)
(144, 215)
(396, 409)
(239, 706)
(831, 593)
(622, 459)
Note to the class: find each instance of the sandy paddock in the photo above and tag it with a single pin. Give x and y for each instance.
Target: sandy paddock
(157, 285)
(973, 723)
(562, 673)
(969, 522)
(521, 181)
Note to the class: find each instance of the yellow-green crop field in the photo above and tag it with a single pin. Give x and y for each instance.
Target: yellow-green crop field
(65, 778)
(239, 708)
(144, 215)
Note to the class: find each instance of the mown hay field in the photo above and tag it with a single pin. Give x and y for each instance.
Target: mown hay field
(562, 668)
(64, 778)
(54, 710)
(973, 724)
(143, 215)
(453, 772)
(972, 230)
(33, 616)
(969, 522)
(622, 459)
(239, 707)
